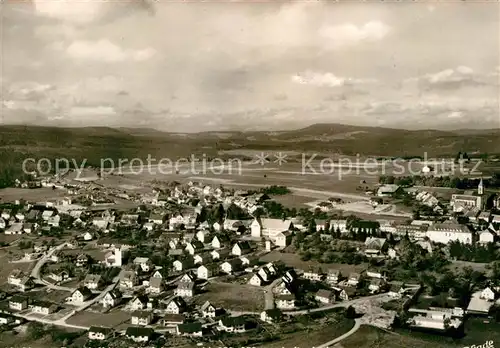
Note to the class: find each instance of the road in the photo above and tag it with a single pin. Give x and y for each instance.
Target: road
(35, 272)
(357, 325)
(337, 305)
(269, 295)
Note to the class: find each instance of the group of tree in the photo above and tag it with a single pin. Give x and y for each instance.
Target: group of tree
(473, 252)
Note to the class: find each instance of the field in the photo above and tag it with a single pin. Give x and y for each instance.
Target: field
(8, 267)
(294, 260)
(31, 195)
(312, 336)
(111, 319)
(234, 297)
(371, 337)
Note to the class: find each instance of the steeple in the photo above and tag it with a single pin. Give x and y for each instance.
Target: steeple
(480, 187)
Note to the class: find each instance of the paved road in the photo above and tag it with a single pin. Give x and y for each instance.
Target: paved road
(357, 325)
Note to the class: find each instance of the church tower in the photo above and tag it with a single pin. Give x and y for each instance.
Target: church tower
(480, 187)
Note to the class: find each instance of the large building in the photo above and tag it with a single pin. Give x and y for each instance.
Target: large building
(461, 202)
(449, 231)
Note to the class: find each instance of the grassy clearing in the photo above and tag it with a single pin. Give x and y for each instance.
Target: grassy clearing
(233, 297)
(293, 260)
(110, 319)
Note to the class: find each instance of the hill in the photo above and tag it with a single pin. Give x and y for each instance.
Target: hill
(95, 143)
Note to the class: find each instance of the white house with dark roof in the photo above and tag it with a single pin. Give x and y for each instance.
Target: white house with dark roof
(269, 228)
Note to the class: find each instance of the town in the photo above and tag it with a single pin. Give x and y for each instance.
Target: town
(192, 262)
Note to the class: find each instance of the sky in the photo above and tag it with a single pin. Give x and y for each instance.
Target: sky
(188, 66)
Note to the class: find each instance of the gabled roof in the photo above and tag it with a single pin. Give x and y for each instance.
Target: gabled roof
(84, 291)
(206, 305)
(275, 224)
(136, 331)
(324, 293)
(189, 328)
(92, 278)
(141, 314)
(155, 282)
(101, 329)
(233, 321)
(274, 313)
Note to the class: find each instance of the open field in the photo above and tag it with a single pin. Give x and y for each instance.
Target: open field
(233, 297)
(294, 260)
(371, 337)
(111, 319)
(313, 337)
(33, 195)
(7, 267)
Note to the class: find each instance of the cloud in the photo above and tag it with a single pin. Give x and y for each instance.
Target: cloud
(451, 78)
(90, 11)
(350, 34)
(106, 51)
(326, 79)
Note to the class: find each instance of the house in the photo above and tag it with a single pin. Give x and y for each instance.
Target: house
(208, 310)
(139, 334)
(99, 333)
(6, 319)
(375, 246)
(194, 247)
(267, 272)
(18, 303)
(54, 221)
(176, 305)
(371, 273)
(128, 280)
(241, 248)
(489, 294)
(172, 319)
(343, 293)
(290, 276)
(180, 265)
(155, 285)
(185, 289)
(187, 278)
(375, 285)
(43, 307)
(206, 271)
(80, 295)
(82, 260)
(388, 190)
(47, 214)
(396, 290)
(313, 274)
(283, 239)
(325, 296)
(93, 281)
(487, 236)
(139, 303)
(203, 236)
(353, 279)
(219, 241)
(202, 258)
(256, 280)
(269, 227)
(21, 281)
(449, 231)
(28, 227)
(60, 276)
(111, 299)
(142, 318)
(285, 302)
(284, 288)
(190, 329)
(158, 274)
(144, 263)
(232, 324)
(271, 315)
(231, 266)
(333, 276)
(15, 228)
(220, 254)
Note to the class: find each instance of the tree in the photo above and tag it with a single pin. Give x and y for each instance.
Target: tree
(350, 312)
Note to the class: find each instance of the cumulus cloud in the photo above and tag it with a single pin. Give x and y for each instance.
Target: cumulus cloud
(106, 51)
